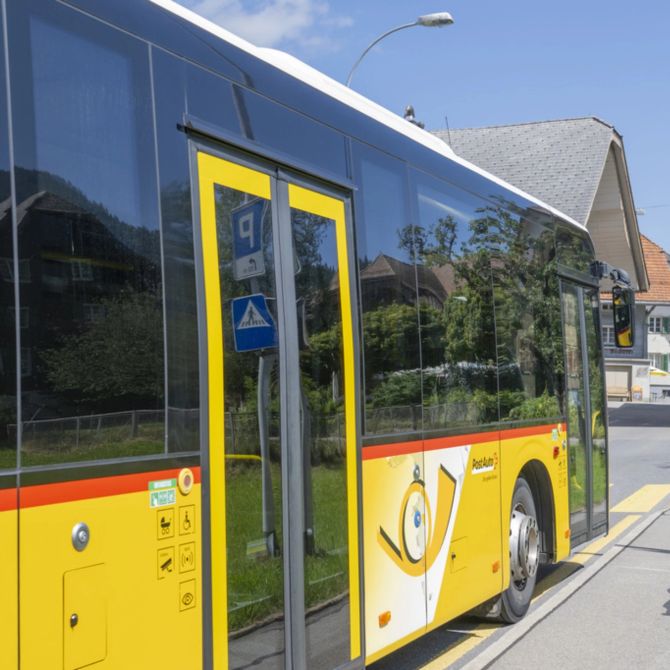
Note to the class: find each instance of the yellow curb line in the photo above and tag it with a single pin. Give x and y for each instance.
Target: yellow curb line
(483, 631)
(644, 499)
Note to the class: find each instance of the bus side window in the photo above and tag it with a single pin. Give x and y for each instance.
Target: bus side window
(528, 322)
(8, 458)
(456, 307)
(89, 243)
(386, 257)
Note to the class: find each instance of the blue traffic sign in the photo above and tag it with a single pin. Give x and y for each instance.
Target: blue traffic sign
(247, 223)
(253, 325)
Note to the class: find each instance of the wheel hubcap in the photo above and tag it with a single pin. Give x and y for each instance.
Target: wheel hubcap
(524, 545)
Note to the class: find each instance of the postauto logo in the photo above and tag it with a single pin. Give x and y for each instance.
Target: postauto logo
(420, 533)
(484, 464)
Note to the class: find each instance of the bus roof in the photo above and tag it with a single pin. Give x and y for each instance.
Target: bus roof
(338, 91)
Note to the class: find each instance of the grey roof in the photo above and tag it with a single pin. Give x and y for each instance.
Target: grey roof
(560, 162)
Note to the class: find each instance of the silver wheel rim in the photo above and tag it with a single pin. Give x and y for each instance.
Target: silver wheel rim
(524, 546)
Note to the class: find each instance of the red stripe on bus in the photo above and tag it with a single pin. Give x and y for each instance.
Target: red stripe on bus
(435, 444)
(102, 487)
(8, 500)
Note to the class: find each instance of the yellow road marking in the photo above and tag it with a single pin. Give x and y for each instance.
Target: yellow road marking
(480, 633)
(644, 499)
(596, 547)
(476, 636)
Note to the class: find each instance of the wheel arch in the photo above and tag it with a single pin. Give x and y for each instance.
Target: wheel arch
(535, 473)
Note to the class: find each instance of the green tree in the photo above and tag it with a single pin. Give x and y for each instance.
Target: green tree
(116, 357)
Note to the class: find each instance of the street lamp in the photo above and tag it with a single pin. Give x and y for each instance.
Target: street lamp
(436, 20)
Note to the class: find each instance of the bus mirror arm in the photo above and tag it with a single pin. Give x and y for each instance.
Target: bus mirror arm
(600, 269)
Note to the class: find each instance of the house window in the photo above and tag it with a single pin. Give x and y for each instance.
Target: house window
(659, 361)
(608, 336)
(93, 311)
(655, 324)
(26, 362)
(82, 271)
(7, 269)
(25, 316)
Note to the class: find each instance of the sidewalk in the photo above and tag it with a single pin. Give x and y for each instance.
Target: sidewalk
(619, 619)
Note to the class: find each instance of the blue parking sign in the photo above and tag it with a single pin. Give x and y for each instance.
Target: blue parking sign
(253, 325)
(247, 223)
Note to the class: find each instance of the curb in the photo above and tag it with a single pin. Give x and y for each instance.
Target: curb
(485, 658)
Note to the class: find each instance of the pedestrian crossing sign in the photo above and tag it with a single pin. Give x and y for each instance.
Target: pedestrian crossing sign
(253, 325)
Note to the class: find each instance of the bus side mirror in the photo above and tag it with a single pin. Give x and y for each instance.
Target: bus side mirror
(623, 302)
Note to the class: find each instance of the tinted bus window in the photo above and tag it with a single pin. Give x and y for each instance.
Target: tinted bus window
(574, 249)
(181, 318)
(528, 321)
(388, 296)
(456, 307)
(89, 244)
(7, 300)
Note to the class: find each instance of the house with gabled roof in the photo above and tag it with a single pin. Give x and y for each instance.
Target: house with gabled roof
(578, 166)
(657, 301)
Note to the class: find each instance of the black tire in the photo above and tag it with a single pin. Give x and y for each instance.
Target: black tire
(516, 599)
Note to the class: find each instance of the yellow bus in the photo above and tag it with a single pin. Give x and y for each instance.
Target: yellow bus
(284, 383)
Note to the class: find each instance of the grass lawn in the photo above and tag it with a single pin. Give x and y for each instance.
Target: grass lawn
(578, 476)
(256, 583)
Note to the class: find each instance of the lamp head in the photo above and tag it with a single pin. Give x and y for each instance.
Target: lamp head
(436, 20)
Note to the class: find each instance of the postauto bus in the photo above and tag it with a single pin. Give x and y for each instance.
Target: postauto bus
(284, 382)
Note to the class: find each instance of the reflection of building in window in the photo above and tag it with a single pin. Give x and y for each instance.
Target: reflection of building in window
(388, 280)
(26, 362)
(81, 258)
(7, 269)
(81, 271)
(25, 316)
(94, 311)
(24, 271)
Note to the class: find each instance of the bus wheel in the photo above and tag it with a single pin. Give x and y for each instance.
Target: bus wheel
(524, 553)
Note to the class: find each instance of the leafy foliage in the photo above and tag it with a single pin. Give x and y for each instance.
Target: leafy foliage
(118, 356)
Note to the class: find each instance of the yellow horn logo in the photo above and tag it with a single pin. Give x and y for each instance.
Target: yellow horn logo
(419, 542)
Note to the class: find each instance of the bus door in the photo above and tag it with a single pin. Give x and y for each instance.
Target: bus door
(280, 474)
(587, 439)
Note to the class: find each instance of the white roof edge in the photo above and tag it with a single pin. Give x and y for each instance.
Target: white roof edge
(339, 91)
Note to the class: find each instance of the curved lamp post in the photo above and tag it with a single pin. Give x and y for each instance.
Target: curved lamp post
(436, 20)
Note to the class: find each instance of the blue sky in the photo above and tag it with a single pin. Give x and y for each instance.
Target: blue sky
(501, 62)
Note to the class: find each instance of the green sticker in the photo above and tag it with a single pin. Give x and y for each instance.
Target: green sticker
(162, 492)
(163, 484)
(162, 498)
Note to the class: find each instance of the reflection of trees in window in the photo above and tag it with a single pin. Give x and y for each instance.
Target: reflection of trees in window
(97, 349)
(181, 329)
(457, 334)
(528, 322)
(574, 248)
(390, 288)
(7, 323)
(465, 250)
(115, 358)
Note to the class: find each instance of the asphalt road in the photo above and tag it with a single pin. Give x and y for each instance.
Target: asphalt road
(639, 455)
(641, 414)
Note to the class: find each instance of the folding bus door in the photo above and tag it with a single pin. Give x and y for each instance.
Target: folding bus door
(276, 324)
(587, 440)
